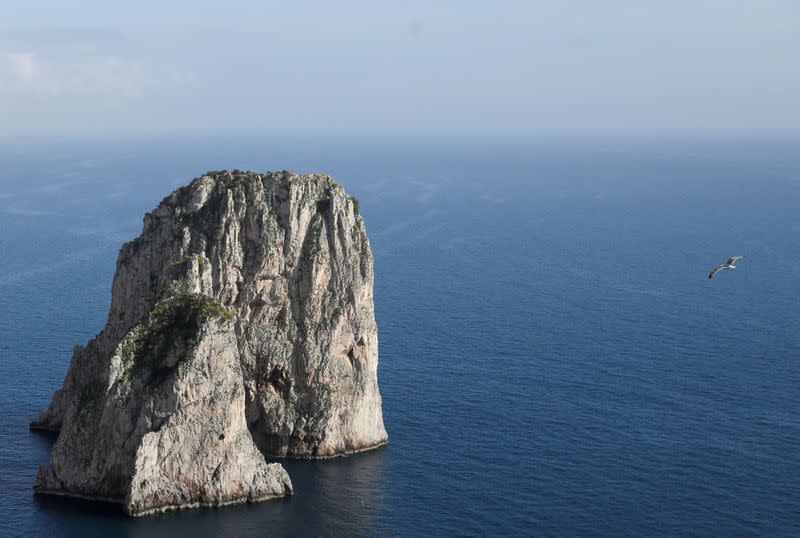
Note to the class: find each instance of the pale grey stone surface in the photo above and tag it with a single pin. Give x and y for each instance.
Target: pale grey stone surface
(241, 325)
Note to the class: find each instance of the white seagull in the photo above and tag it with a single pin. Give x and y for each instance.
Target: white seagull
(727, 265)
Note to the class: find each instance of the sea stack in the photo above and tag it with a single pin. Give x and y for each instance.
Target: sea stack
(242, 325)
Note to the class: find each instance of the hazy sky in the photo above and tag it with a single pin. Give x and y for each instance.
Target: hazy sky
(379, 66)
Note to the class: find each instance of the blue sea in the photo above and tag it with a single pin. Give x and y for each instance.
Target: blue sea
(553, 357)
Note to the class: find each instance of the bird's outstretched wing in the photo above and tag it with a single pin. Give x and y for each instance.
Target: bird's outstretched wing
(715, 270)
(733, 259)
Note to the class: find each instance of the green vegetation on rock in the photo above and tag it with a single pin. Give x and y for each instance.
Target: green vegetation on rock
(171, 326)
(201, 262)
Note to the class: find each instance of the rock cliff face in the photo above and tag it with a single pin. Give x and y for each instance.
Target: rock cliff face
(241, 326)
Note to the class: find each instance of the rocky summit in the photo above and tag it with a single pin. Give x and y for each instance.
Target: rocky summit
(241, 326)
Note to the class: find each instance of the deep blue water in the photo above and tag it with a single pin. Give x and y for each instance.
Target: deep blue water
(554, 359)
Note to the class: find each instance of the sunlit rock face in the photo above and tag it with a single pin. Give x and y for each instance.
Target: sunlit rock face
(241, 325)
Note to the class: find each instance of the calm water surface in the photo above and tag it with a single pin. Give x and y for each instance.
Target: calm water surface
(554, 359)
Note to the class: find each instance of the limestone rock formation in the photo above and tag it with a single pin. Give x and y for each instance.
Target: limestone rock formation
(241, 326)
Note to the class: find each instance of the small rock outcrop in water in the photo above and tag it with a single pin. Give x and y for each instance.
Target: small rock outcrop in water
(241, 326)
